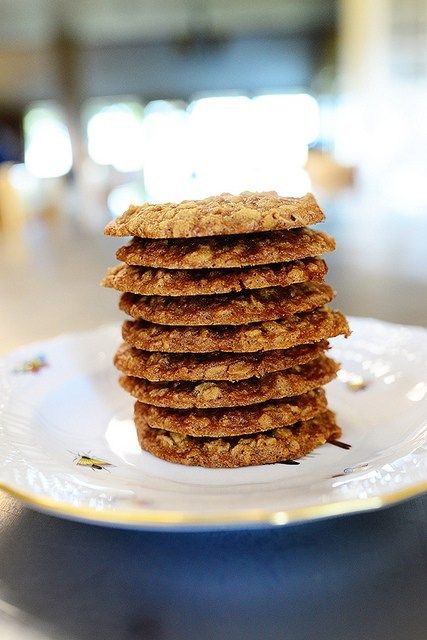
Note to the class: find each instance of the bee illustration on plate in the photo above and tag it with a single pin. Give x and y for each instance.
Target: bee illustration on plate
(87, 460)
(32, 366)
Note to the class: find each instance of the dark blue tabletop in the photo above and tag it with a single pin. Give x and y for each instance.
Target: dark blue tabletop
(355, 577)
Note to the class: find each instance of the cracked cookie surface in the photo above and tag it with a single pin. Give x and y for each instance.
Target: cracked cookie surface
(224, 214)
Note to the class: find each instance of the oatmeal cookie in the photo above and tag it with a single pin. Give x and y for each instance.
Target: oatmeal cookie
(302, 328)
(257, 305)
(214, 394)
(185, 282)
(224, 252)
(164, 367)
(217, 216)
(276, 445)
(235, 420)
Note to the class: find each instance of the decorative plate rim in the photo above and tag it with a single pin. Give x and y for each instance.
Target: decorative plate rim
(187, 520)
(248, 517)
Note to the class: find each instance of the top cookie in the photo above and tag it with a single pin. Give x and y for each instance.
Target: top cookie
(225, 214)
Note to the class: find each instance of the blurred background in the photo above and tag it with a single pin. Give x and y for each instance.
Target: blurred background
(104, 103)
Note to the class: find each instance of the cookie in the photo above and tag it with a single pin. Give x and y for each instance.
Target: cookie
(182, 282)
(233, 421)
(209, 395)
(158, 367)
(276, 445)
(217, 215)
(258, 305)
(222, 252)
(302, 328)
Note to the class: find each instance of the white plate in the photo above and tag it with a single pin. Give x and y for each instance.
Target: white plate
(60, 400)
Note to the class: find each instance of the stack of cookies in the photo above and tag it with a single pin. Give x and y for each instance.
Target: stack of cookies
(226, 349)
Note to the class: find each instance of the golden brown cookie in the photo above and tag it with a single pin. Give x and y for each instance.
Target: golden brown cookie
(276, 445)
(161, 367)
(258, 305)
(302, 328)
(217, 216)
(184, 282)
(220, 252)
(233, 421)
(210, 395)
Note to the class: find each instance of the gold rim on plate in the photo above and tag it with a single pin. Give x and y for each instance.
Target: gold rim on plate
(271, 517)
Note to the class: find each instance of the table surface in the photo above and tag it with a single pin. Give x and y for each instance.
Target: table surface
(357, 576)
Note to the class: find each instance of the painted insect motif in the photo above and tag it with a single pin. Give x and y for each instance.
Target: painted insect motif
(87, 460)
(32, 366)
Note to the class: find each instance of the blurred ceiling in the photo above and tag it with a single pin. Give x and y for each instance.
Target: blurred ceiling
(33, 24)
